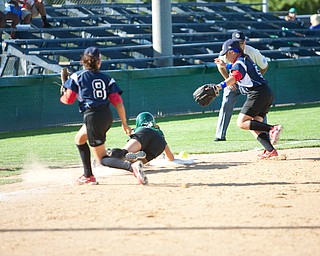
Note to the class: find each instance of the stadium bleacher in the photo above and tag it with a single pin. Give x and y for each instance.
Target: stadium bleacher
(123, 32)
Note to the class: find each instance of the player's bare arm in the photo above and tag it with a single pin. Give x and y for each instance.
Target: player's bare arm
(222, 67)
(122, 114)
(168, 154)
(116, 100)
(220, 62)
(230, 82)
(263, 70)
(64, 75)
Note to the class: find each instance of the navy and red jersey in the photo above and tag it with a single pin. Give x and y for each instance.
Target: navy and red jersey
(250, 74)
(92, 89)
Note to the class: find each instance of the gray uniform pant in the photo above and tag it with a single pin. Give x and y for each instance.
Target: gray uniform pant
(229, 100)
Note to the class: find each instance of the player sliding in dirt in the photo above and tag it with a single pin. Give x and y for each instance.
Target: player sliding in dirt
(146, 143)
(95, 91)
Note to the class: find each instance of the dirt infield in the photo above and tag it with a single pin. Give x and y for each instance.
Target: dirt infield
(224, 204)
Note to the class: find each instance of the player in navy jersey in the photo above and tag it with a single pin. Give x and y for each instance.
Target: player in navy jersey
(95, 91)
(231, 94)
(259, 96)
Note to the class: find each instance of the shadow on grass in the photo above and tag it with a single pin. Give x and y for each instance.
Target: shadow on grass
(6, 172)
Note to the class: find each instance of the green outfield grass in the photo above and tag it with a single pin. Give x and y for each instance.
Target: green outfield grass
(193, 133)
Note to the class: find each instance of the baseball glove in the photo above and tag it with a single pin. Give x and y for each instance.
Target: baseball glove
(205, 94)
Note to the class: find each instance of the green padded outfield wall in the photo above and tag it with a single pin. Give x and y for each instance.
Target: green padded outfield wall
(33, 102)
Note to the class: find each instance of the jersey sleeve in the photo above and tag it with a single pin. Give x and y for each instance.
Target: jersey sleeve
(113, 87)
(257, 57)
(236, 69)
(68, 97)
(236, 74)
(115, 98)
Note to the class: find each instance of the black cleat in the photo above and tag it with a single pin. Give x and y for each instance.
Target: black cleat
(218, 139)
(132, 157)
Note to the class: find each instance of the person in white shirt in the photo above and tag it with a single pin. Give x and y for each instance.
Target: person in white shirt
(34, 8)
(230, 95)
(315, 21)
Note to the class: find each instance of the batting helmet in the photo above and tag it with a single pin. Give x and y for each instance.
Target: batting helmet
(145, 119)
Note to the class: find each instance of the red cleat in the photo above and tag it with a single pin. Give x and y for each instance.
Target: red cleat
(269, 155)
(274, 134)
(138, 172)
(87, 180)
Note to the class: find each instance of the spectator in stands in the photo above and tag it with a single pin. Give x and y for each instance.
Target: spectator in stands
(292, 16)
(3, 20)
(5, 15)
(231, 94)
(315, 21)
(34, 8)
(15, 7)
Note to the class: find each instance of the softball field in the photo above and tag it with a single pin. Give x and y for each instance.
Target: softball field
(223, 204)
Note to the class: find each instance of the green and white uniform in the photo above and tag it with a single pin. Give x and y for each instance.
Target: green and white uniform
(151, 139)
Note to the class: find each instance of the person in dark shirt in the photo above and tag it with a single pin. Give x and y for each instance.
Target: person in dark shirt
(251, 83)
(95, 91)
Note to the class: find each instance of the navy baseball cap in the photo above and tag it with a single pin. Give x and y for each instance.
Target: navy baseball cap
(230, 44)
(92, 51)
(239, 36)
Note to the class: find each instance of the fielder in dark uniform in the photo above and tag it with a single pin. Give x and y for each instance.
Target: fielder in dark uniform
(95, 91)
(147, 137)
(259, 96)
